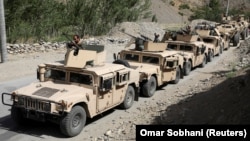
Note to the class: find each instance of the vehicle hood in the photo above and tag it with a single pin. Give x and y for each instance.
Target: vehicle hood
(186, 54)
(210, 45)
(52, 91)
(143, 67)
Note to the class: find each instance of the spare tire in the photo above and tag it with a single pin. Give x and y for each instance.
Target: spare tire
(122, 62)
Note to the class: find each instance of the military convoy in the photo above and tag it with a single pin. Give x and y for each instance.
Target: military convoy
(84, 85)
(68, 93)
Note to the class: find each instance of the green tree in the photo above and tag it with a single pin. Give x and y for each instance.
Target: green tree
(211, 11)
(47, 20)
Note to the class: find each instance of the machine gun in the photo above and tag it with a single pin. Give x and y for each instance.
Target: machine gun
(142, 37)
(139, 41)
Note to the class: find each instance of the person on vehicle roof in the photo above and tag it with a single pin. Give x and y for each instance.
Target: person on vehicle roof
(77, 41)
(157, 37)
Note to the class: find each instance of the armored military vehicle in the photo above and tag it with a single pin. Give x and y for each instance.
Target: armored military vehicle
(236, 28)
(156, 65)
(80, 87)
(244, 26)
(212, 40)
(192, 48)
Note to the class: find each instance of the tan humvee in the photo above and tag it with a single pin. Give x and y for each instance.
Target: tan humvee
(156, 65)
(244, 25)
(212, 40)
(236, 27)
(231, 30)
(192, 48)
(81, 87)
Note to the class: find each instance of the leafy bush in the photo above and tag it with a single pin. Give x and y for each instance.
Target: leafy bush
(36, 19)
(172, 3)
(184, 6)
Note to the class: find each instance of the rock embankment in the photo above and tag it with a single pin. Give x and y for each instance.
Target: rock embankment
(31, 48)
(116, 37)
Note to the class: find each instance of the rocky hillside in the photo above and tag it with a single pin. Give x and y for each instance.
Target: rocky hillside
(168, 11)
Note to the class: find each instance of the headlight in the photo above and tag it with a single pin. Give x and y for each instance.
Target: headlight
(47, 107)
(61, 106)
(20, 100)
(143, 76)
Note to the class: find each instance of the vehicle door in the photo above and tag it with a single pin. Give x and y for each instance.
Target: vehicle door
(105, 91)
(199, 52)
(169, 69)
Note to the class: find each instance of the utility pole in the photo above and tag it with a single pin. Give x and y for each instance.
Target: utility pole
(227, 8)
(3, 49)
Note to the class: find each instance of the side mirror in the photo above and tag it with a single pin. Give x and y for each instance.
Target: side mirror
(198, 51)
(37, 74)
(203, 49)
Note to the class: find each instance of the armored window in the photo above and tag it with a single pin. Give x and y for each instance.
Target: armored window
(55, 74)
(186, 48)
(80, 78)
(122, 77)
(171, 46)
(207, 40)
(106, 82)
(151, 60)
(171, 63)
(131, 57)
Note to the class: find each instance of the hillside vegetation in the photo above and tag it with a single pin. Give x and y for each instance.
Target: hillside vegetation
(45, 20)
(33, 20)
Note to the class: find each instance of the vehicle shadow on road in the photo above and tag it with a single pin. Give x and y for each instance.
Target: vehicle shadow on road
(224, 103)
(31, 128)
(38, 129)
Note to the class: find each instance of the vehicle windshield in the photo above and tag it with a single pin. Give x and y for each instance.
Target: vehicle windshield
(73, 77)
(172, 46)
(207, 40)
(150, 59)
(80, 78)
(55, 74)
(186, 48)
(131, 57)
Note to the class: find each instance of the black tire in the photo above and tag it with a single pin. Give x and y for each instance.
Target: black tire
(177, 77)
(204, 62)
(129, 98)
(187, 68)
(210, 56)
(221, 50)
(149, 88)
(236, 39)
(73, 123)
(243, 34)
(247, 32)
(122, 62)
(17, 116)
(228, 43)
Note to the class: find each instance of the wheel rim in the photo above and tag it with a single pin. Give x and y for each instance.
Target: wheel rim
(129, 97)
(152, 87)
(76, 120)
(204, 61)
(189, 66)
(178, 74)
